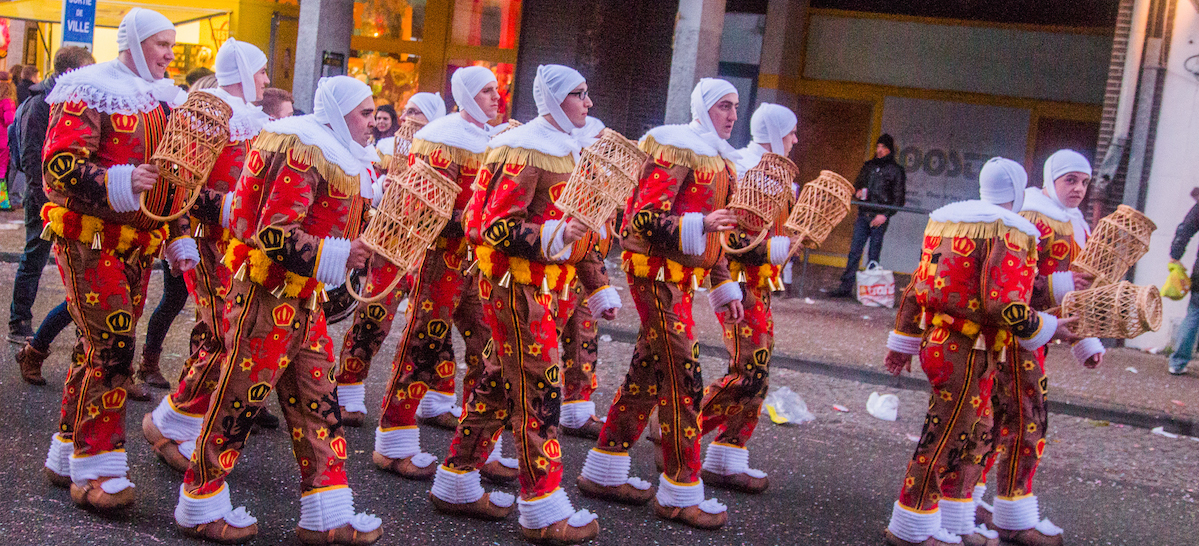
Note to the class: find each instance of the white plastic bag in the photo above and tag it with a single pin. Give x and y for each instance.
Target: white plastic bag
(876, 286)
(885, 407)
(786, 407)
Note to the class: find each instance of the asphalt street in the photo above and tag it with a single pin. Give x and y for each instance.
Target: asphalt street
(832, 481)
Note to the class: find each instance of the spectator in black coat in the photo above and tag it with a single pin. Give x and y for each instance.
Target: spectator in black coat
(1184, 346)
(29, 76)
(881, 181)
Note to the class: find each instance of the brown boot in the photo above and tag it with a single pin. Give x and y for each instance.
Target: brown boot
(496, 472)
(481, 509)
(892, 540)
(740, 482)
(691, 515)
(445, 420)
(561, 533)
(220, 532)
(149, 372)
(91, 497)
(345, 535)
(352, 418)
(166, 448)
(137, 391)
(1029, 537)
(30, 360)
(977, 539)
(56, 479)
(623, 493)
(589, 430)
(404, 467)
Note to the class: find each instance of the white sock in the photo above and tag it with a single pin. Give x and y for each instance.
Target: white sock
(436, 403)
(111, 464)
(727, 460)
(401, 443)
(550, 509)
(191, 511)
(333, 508)
(352, 397)
(611, 469)
(957, 516)
(914, 526)
(682, 495)
(576, 414)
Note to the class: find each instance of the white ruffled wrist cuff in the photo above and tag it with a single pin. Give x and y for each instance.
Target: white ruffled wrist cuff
(227, 210)
(1043, 336)
(120, 189)
(1060, 284)
(181, 250)
(724, 293)
(903, 343)
(691, 234)
(331, 266)
(1087, 348)
(551, 247)
(779, 247)
(602, 300)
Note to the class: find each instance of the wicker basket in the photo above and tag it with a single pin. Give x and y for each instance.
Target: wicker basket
(195, 134)
(822, 204)
(1120, 310)
(416, 206)
(601, 182)
(761, 195)
(1119, 240)
(403, 144)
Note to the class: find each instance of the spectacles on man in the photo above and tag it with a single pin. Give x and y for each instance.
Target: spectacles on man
(581, 95)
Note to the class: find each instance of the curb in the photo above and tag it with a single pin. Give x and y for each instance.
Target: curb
(1063, 405)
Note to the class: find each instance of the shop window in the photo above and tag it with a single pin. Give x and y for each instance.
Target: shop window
(487, 23)
(395, 19)
(392, 76)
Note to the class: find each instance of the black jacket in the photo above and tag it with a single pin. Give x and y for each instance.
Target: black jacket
(35, 122)
(1182, 236)
(885, 182)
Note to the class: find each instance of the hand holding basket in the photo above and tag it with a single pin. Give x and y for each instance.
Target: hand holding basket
(195, 134)
(762, 194)
(600, 184)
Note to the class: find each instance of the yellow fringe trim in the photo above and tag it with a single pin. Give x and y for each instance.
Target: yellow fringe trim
(343, 183)
(639, 266)
(684, 157)
(556, 275)
(971, 329)
(259, 265)
(531, 158)
(1065, 229)
(90, 226)
(979, 230)
(462, 157)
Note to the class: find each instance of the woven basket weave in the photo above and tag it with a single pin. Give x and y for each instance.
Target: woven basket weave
(195, 134)
(1119, 240)
(1119, 310)
(762, 194)
(403, 144)
(602, 180)
(822, 204)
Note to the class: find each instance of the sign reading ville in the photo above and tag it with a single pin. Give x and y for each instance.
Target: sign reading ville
(78, 22)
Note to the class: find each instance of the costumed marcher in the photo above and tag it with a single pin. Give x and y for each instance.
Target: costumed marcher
(513, 220)
(732, 404)
(579, 330)
(295, 217)
(173, 426)
(423, 107)
(444, 294)
(669, 236)
(1021, 418)
(965, 310)
(105, 122)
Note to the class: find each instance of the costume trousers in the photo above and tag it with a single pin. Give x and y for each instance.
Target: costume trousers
(580, 353)
(208, 283)
(733, 402)
(371, 324)
(442, 297)
(957, 429)
(522, 382)
(274, 344)
(664, 373)
(105, 294)
(1021, 421)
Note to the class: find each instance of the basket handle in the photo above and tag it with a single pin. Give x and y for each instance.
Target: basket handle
(724, 242)
(376, 298)
(191, 200)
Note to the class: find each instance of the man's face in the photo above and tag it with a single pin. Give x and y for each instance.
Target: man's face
(382, 120)
(789, 142)
(1071, 188)
(261, 82)
(488, 99)
(576, 105)
(881, 150)
(158, 53)
(724, 114)
(361, 120)
(414, 113)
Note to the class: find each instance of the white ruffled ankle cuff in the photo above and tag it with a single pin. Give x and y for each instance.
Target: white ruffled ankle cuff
(979, 492)
(435, 403)
(607, 469)
(1016, 514)
(728, 460)
(58, 460)
(683, 495)
(112, 464)
(402, 443)
(548, 510)
(333, 508)
(352, 397)
(497, 454)
(957, 516)
(576, 414)
(464, 488)
(192, 511)
(173, 424)
(914, 526)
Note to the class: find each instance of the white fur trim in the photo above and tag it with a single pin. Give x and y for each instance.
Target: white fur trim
(352, 397)
(1016, 514)
(1044, 335)
(724, 293)
(778, 247)
(602, 300)
(58, 459)
(611, 470)
(1087, 348)
(551, 247)
(333, 508)
(728, 460)
(982, 212)
(120, 189)
(913, 526)
(957, 516)
(173, 424)
(181, 250)
(537, 135)
(246, 121)
(691, 234)
(455, 132)
(332, 262)
(387, 146)
(191, 511)
(110, 464)
(681, 136)
(576, 414)
(226, 209)
(402, 443)
(436, 403)
(551, 509)
(111, 88)
(1035, 200)
(314, 133)
(903, 343)
(1061, 283)
(684, 495)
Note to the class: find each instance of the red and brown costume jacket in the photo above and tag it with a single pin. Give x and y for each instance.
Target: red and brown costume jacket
(104, 121)
(762, 266)
(456, 149)
(295, 210)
